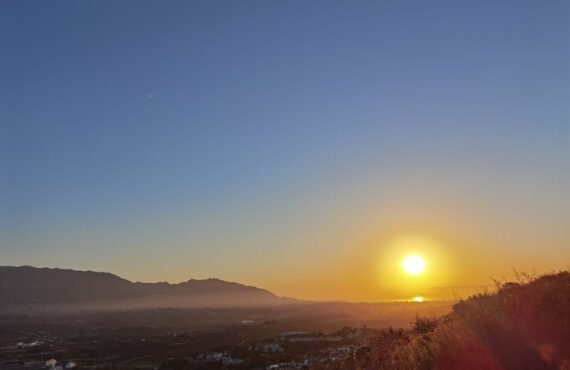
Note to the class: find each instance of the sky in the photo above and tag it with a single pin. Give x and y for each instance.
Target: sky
(301, 146)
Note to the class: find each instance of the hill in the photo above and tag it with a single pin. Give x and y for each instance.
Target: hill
(523, 325)
(31, 287)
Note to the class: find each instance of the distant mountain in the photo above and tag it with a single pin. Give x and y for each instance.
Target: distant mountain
(31, 287)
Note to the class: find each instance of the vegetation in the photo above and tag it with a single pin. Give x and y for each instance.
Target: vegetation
(523, 325)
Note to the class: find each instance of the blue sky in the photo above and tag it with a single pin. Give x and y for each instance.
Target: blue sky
(253, 140)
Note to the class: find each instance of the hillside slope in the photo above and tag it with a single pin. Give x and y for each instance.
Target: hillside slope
(523, 325)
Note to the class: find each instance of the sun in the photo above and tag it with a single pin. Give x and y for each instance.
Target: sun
(414, 265)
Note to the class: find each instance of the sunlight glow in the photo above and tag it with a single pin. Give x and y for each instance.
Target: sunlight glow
(414, 265)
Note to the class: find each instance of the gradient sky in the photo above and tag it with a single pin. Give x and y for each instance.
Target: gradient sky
(286, 144)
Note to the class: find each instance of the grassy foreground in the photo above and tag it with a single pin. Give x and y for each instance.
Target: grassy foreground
(523, 325)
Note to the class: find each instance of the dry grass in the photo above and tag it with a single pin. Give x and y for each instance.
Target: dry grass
(523, 325)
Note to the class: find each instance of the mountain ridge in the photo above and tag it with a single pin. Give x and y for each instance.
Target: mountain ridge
(25, 286)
